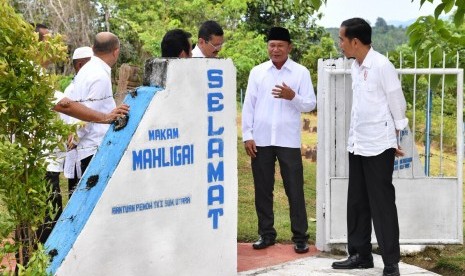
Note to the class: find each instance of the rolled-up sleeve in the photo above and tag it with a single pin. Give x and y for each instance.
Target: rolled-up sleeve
(398, 106)
(57, 97)
(305, 100)
(395, 96)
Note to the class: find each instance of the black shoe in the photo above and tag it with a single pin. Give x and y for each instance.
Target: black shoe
(301, 247)
(263, 243)
(391, 270)
(355, 261)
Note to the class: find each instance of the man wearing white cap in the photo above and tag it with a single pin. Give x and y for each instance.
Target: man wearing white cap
(80, 57)
(72, 170)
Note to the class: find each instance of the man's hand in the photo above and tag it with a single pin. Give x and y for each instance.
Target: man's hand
(283, 92)
(119, 111)
(250, 148)
(70, 142)
(399, 152)
(86, 114)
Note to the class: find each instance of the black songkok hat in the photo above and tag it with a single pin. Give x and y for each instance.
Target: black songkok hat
(279, 33)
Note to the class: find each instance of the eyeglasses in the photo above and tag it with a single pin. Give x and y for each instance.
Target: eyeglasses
(216, 48)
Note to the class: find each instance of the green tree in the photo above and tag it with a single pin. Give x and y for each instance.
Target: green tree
(381, 24)
(446, 6)
(325, 49)
(248, 50)
(297, 16)
(27, 131)
(243, 21)
(436, 37)
(76, 20)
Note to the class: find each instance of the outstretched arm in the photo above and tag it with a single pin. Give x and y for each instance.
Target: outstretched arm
(84, 113)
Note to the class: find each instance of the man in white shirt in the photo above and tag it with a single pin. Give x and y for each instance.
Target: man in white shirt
(277, 92)
(80, 57)
(72, 168)
(210, 40)
(93, 89)
(378, 114)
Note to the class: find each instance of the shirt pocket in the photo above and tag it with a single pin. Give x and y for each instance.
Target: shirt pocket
(369, 86)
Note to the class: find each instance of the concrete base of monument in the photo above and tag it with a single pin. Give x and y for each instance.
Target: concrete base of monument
(281, 260)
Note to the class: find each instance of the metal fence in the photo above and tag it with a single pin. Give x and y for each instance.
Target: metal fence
(428, 179)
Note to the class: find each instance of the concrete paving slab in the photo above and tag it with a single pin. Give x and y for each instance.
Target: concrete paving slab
(321, 266)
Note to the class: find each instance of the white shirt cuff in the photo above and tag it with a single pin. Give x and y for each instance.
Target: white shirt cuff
(401, 124)
(58, 96)
(247, 136)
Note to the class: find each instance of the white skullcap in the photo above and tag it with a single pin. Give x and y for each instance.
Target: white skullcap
(83, 52)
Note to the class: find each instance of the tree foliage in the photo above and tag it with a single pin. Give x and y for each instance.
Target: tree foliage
(29, 128)
(76, 20)
(297, 16)
(440, 39)
(325, 49)
(446, 6)
(249, 50)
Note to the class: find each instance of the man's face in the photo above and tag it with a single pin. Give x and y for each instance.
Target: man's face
(43, 34)
(278, 51)
(346, 44)
(78, 63)
(212, 47)
(115, 55)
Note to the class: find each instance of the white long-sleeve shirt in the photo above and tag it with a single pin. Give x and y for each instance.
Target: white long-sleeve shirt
(92, 86)
(271, 121)
(378, 106)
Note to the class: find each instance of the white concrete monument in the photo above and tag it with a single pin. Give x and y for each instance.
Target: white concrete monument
(160, 195)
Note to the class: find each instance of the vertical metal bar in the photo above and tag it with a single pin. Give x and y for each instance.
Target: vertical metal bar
(327, 147)
(414, 113)
(400, 133)
(441, 156)
(428, 121)
(460, 154)
(460, 146)
(428, 131)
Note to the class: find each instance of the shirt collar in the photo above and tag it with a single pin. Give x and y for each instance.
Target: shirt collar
(287, 65)
(197, 52)
(103, 64)
(368, 61)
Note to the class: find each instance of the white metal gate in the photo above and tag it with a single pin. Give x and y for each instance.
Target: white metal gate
(429, 204)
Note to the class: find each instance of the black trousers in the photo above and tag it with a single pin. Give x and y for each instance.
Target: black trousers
(372, 196)
(53, 179)
(72, 182)
(263, 169)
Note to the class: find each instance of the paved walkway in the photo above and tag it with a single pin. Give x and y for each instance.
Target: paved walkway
(281, 260)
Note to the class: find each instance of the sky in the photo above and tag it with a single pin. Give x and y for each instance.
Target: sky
(337, 11)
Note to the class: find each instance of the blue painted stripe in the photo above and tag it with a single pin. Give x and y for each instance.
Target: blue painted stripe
(103, 164)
